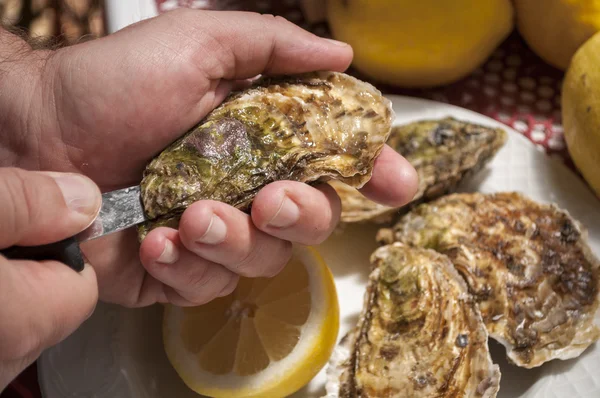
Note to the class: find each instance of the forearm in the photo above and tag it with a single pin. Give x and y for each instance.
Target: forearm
(21, 70)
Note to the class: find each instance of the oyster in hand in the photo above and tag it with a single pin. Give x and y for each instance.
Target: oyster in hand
(420, 334)
(308, 128)
(527, 264)
(444, 153)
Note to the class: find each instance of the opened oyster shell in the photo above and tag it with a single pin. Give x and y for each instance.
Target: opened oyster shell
(420, 334)
(527, 264)
(444, 152)
(308, 128)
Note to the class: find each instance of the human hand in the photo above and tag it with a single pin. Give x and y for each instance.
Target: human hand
(113, 103)
(41, 302)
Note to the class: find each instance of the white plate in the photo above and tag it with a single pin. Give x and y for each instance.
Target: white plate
(118, 352)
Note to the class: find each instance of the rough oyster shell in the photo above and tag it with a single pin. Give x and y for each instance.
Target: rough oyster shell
(444, 152)
(420, 334)
(527, 264)
(308, 128)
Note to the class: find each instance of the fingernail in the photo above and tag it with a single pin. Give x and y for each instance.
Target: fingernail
(81, 194)
(215, 233)
(337, 42)
(287, 214)
(169, 255)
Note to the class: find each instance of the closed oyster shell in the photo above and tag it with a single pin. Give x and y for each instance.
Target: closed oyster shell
(527, 264)
(308, 128)
(420, 334)
(444, 153)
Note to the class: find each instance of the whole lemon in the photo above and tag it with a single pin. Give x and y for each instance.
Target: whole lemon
(417, 43)
(581, 110)
(554, 29)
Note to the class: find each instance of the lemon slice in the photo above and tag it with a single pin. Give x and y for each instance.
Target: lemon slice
(268, 338)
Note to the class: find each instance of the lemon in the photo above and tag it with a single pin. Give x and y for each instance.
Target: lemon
(420, 43)
(269, 338)
(554, 29)
(581, 110)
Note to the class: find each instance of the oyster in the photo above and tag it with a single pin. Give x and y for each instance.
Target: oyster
(420, 334)
(309, 128)
(444, 152)
(527, 264)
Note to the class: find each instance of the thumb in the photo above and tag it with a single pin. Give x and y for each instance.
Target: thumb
(41, 302)
(38, 208)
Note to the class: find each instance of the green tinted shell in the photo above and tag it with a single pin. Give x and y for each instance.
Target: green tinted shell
(306, 128)
(444, 153)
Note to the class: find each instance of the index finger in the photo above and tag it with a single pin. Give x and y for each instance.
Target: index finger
(241, 45)
(394, 181)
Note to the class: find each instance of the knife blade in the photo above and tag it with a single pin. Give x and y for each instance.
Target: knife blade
(120, 209)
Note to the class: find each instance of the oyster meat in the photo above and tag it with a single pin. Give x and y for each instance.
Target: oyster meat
(420, 334)
(308, 128)
(527, 264)
(444, 152)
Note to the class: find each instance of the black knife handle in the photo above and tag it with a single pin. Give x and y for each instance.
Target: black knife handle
(66, 251)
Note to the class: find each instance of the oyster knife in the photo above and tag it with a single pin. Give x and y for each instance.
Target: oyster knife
(120, 210)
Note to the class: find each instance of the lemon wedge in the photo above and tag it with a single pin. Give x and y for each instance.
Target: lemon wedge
(269, 338)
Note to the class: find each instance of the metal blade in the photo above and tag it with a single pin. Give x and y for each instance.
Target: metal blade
(120, 210)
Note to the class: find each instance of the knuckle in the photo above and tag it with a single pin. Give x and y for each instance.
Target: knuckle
(281, 19)
(315, 238)
(268, 18)
(280, 260)
(319, 230)
(231, 285)
(198, 277)
(198, 297)
(205, 294)
(206, 286)
(131, 298)
(174, 297)
(129, 301)
(203, 300)
(263, 257)
(323, 230)
(245, 263)
(270, 21)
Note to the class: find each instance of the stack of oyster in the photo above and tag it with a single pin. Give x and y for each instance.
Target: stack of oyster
(452, 269)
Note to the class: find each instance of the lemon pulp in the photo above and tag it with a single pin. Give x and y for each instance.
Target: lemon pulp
(268, 338)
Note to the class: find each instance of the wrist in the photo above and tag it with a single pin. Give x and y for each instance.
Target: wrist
(21, 102)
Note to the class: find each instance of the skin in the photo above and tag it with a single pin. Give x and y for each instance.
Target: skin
(102, 109)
